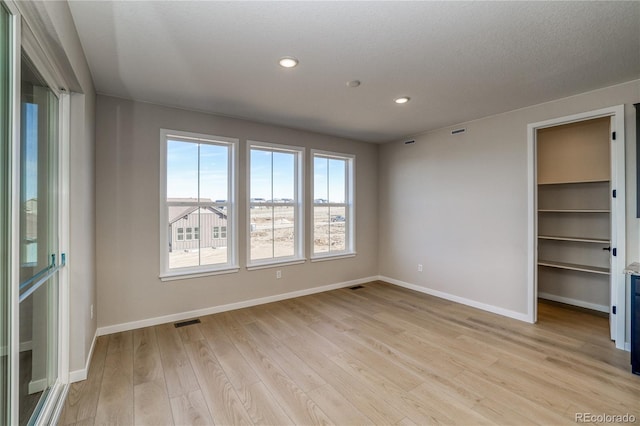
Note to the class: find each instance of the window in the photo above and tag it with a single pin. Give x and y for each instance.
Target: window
(197, 192)
(219, 232)
(275, 215)
(192, 233)
(333, 204)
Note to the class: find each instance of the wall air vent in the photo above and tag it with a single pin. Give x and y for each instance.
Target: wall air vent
(458, 131)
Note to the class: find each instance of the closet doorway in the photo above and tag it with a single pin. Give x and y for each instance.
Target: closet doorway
(577, 217)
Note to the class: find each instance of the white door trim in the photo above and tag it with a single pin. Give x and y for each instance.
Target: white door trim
(618, 206)
(14, 292)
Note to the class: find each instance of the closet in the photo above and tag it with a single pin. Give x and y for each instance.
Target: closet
(574, 218)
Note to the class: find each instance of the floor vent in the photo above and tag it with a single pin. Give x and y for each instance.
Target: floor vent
(185, 323)
(356, 287)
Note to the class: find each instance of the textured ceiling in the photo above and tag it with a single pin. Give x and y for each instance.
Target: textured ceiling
(456, 60)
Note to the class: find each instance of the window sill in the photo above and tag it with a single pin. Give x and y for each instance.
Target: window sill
(333, 257)
(173, 276)
(275, 264)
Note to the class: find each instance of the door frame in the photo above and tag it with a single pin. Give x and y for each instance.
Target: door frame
(618, 215)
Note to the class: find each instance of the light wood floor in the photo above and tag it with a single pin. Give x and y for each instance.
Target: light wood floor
(377, 355)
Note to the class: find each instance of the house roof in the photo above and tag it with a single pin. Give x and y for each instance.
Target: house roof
(179, 212)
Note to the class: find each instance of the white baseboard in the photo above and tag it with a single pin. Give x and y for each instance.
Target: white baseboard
(80, 375)
(575, 302)
(24, 346)
(116, 328)
(485, 307)
(36, 386)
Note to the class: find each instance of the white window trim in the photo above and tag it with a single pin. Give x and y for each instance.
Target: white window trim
(298, 205)
(350, 206)
(167, 274)
(275, 264)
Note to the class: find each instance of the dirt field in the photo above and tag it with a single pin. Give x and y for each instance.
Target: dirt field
(268, 224)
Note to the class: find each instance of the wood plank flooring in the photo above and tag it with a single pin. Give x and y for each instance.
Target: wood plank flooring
(377, 355)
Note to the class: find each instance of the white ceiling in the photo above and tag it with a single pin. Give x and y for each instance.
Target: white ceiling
(456, 60)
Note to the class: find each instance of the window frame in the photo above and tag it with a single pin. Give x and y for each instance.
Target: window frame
(349, 206)
(231, 207)
(298, 204)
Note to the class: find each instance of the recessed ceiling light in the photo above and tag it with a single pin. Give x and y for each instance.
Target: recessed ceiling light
(402, 100)
(353, 83)
(288, 62)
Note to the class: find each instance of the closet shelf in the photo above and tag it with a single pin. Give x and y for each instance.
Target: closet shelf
(573, 211)
(574, 182)
(575, 239)
(574, 267)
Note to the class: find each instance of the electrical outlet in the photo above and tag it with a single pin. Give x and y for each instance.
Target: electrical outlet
(278, 274)
(91, 311)
(419, 267)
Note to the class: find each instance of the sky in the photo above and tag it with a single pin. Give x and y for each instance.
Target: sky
(272, 173)
(30, 158)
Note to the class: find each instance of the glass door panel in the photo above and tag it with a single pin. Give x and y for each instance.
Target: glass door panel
(38, 316)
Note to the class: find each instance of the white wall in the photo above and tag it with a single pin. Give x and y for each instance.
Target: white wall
(458, 204)
(128, 248)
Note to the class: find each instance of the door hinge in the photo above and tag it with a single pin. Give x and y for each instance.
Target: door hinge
(614, 310)
(614, 252)
(613, 136)
(614, 193)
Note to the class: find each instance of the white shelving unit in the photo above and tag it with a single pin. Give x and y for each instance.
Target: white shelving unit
(574, 212)
(574, 267)
(575, 239)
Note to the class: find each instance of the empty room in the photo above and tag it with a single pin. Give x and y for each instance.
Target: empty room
(324, 212)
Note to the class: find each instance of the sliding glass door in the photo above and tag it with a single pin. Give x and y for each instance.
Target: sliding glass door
(38, 236)
(33, 372)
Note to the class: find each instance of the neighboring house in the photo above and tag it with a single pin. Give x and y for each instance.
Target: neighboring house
(30, 242)
(192, 228)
